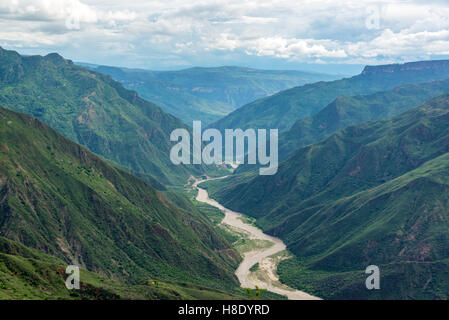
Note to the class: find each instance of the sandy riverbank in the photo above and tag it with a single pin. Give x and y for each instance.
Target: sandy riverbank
(268, 258)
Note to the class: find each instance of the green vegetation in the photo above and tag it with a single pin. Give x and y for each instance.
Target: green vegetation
(245, 244)
(215, 215)
(26, 273)
(254, 267)
(60, 199)
(376, 193)
(93, 110)
(347, 111)
(207, 94)
(399, 280)
(255, 293)
(283, 109)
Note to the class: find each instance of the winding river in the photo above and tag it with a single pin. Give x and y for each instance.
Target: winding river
(265, 257)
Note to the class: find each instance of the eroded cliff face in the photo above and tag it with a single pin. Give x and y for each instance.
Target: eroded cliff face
(415, 66)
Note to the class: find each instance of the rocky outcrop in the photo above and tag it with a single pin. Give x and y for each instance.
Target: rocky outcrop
(410, 66)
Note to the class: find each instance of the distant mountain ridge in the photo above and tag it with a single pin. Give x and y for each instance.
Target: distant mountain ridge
(416, 66)
(347, 111)
(283, 109)
(207, 94)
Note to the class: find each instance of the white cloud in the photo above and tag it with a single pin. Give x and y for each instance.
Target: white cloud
(277, 46)
(160, 32)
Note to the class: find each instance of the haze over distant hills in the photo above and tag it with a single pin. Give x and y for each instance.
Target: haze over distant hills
(283, 109)
(207, 94)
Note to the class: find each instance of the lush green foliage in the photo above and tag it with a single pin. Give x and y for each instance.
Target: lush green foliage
(95, 111)
(283, 109)
(399, 280)
(27, 273)
(207, 94)
(346, 111)
(375, 193)
(58, 198)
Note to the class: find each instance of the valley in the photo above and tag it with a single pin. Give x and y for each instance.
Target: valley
(224, 150)
(60, 204)
(267, 257)
(375, 193)
(87, 178)
(207, 94)
(283, 109)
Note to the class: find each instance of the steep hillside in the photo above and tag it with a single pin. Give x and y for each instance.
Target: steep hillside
(375, 193)
(26, 273)
(283, 109)
(401, 226)
(207, 94)
(93, 110)
(347, 111)
(60, 199)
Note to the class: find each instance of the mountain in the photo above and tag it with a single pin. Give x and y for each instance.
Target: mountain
(400, 226)
(346, 111)
(283, 109)
(26, 273)
(93, 110)
(375, 193)
(60, 200)
(207, 94)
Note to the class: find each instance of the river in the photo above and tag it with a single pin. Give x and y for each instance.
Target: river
(266, 257)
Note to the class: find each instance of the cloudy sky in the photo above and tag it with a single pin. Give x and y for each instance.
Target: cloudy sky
(322, 35)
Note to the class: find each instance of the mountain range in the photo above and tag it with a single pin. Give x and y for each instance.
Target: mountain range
(282, 110)
(95, 111)
(207, 94)
(346, 111)
(86, 179)
(375, 193)
(60, 204)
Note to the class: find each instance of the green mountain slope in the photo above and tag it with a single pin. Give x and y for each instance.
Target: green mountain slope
(60, 199)
(26, 273)
(375, 193)
(283, 109)
(346, 111)
(207, 94)
(400, 226)
(93, 110)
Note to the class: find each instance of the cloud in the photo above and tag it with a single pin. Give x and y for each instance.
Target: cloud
(277, 46)
(162, 33)
(49, 10)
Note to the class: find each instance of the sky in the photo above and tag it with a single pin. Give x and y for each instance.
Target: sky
(319, 35)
